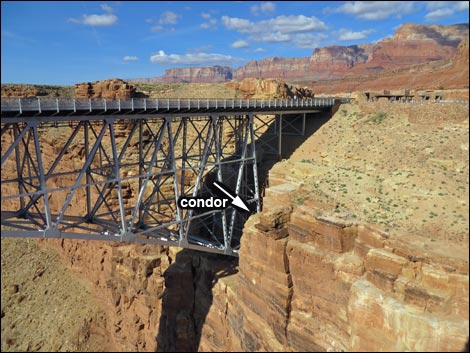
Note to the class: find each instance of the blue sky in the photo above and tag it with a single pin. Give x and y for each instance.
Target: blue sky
(69, 42)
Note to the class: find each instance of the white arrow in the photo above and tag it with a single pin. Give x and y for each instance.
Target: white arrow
(236, 201)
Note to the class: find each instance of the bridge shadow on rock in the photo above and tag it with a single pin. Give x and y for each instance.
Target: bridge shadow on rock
(289, 143)
(188, 297)
(190, 279)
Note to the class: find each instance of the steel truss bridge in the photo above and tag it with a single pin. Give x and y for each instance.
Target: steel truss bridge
(114, 169)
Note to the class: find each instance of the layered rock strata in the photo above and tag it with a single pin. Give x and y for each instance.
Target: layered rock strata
(112, 88)
(310, 281)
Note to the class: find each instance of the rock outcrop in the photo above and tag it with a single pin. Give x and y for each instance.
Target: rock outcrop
(112, 88)
(313, 282)
(268, 89)
(21, 91)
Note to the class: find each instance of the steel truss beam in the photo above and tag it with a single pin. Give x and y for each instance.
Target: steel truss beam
(119, 179)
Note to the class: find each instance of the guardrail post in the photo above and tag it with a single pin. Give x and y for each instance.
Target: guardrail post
(179, 104)
(156, 104)
(119, 104)
(74, 106)
(39, 105)
(57, 104)
(105, 108)
(145, 104)
(19, 105)
(89, 102)
(132, 102)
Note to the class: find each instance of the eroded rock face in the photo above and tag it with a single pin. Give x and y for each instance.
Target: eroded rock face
(268, 89)
(315, 283)
(112, 88)
(283, 68)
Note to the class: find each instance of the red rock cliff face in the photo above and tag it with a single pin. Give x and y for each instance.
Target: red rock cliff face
(415, 44)
(275, 67)
(198, 74)
(412, 44)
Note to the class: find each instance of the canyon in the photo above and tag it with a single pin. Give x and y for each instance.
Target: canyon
(346, 255)
(362, 243)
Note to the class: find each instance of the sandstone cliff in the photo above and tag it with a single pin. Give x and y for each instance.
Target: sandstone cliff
(198, 74)
(450, 73)
(284, 68)
(112, 88)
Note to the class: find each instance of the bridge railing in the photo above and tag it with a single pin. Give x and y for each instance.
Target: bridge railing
(39, 105)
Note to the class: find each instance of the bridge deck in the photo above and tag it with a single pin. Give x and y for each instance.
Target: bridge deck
(60, 107)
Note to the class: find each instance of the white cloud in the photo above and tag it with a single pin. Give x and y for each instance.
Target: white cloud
(106, 8)
(376, 10)
(461, 6)
(156, 28)
(267, 8)
(293, 28)
(282, 24)
(194, 59)
(211, 23)
(238, 24)
(259, 50)
(96, 20)
(440, 9)
(308, 40)
(130, 58)
(168, 17)
(433, 15)
(271, 37)
(205, 15)
(240, 44)
(348, 35)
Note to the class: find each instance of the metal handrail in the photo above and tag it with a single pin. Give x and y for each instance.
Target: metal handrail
(137, 105)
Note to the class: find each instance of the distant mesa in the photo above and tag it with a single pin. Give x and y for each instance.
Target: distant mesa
(411, 44)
